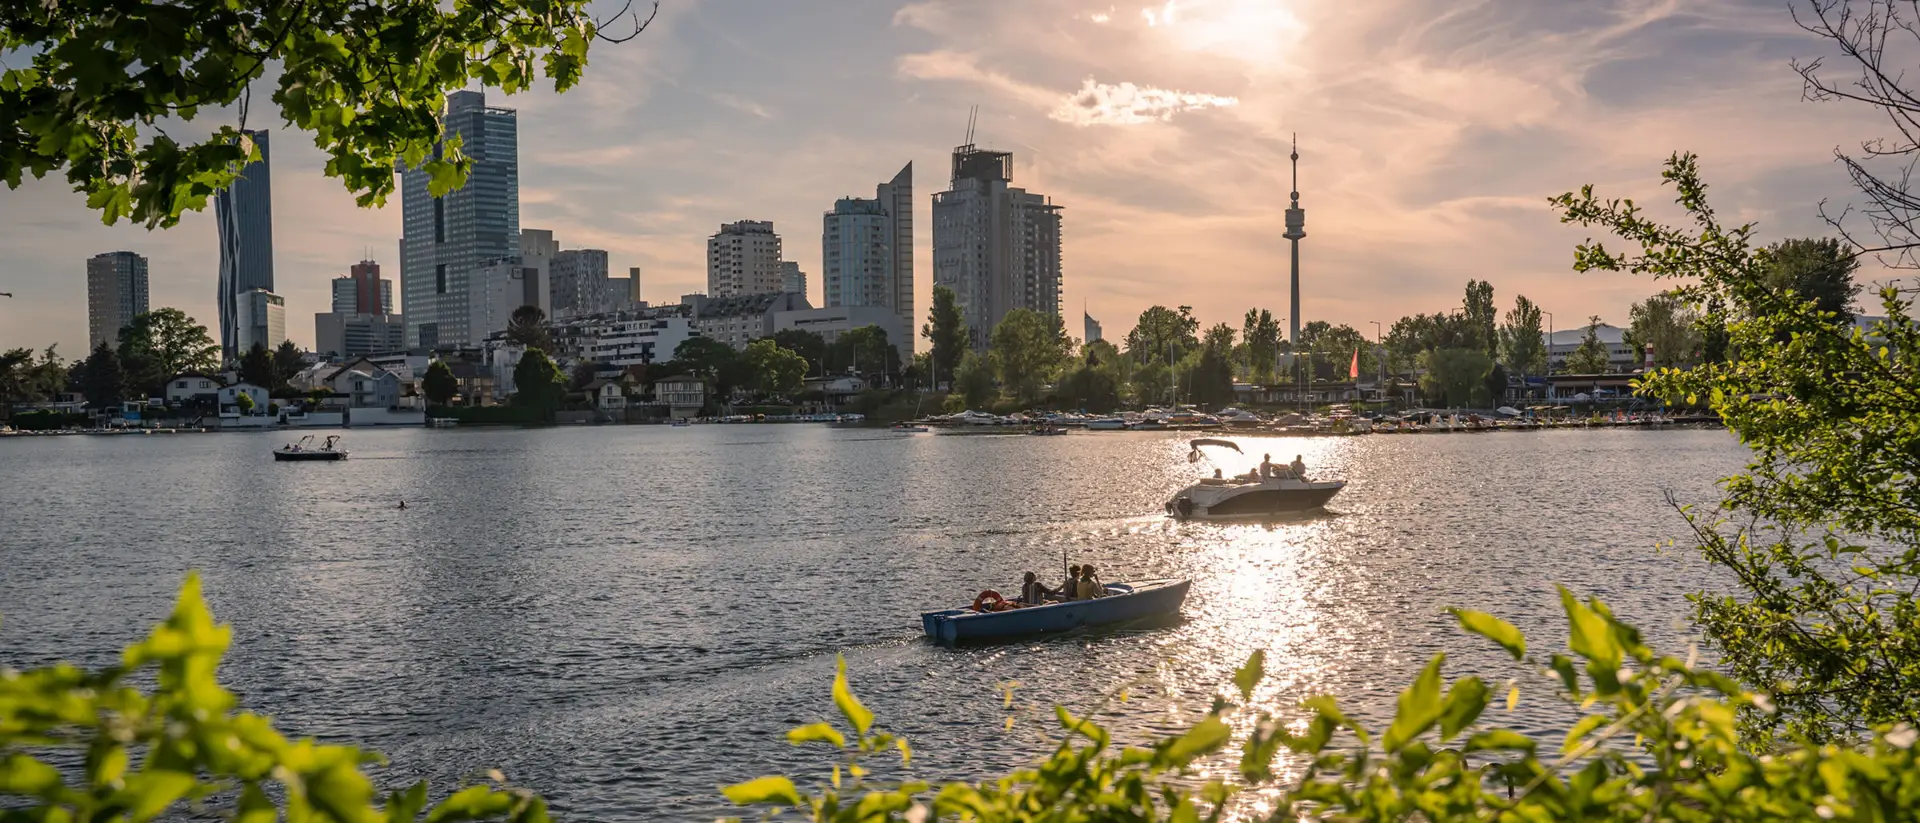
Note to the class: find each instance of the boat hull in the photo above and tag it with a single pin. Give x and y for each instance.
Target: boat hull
(1252, 502)
(309, 455)
(1143, 600)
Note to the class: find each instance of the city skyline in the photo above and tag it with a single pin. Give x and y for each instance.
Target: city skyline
(1428, 149)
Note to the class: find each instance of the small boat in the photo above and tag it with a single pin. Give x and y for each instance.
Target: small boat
(302, 451)
(1248, 498)
(908, 428)
(1046, 430)
(1124, 603)
(1149, 425)
(1107, 424)
(682, 422)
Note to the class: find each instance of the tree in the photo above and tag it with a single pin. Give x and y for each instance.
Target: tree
(1219, 336)
(946, 331)
(809, 345)
(973, 381)
(103, 380)
(1496, 387)
(1210, 380)
(1591, 356)
(1260, 334)
(1028, 349)
(538, 383)
(1522, 338)
(23, 380)
(256, 366)
(1091, 387)
(527, 326)
(1151, 383)
(715, 361)
(287, 362)
(1163, 335)
(1821, 533)
(161, 343)
(1100, 353)
(584, 372)
(1665, 322)
(1455, 377)
(1818, 270)
(244, 401)
(1479, 314)
(440, 385)
(775, 371)
(865, 349)
(367, 80)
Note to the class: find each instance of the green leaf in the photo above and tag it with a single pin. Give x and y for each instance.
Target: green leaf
(1419, 707)
(850, 706)
(1592, 634)
(149, 793)
(772, 789)
(1465, 701)
(816, 732)
(1249, 674)
(1580, 730)
(1205, 737)
(1499, 740)
(906, 752)
(1494, 629)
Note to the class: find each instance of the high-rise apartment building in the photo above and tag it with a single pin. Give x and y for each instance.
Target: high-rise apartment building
(997, 247)
(866, 247)
(362, 291)
(792, 279)
(579, 283)
(356, 335)
(445, 239)
(244, 214)
(260, 317)
(744, 258)
(116, 291)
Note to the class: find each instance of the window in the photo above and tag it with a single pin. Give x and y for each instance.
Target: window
(180, 385)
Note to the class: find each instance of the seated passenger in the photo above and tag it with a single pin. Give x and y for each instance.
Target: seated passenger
(1033, 592)
(1090, 586)
(1299, 468)
(1069, 587)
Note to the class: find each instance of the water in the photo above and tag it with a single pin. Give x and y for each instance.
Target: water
(623, 618)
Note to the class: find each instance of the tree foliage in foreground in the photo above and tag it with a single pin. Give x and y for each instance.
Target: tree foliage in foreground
(158, 735)
(1657, 741)
(1822, 531)
(97, 89)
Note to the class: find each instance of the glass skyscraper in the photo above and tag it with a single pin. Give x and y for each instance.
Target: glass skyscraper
(244, 212)
(445, 239)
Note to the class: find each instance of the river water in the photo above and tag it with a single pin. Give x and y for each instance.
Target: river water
(623, 618)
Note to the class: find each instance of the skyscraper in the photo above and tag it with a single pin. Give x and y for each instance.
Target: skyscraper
(260, 317)
(997, 247)
(579, 282)
(362, 291)
(1093, 329)
(444, 239)
(792, 279)
(244, 214)
(116, 291)
(866, 248)
(744, 258)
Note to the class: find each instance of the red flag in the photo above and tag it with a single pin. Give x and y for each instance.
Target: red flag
(1355, 371)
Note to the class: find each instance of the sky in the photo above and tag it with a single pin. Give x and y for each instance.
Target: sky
(1430, 137)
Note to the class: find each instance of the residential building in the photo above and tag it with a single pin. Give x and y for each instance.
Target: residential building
(744, 258)
(1093, 329)
(607, 395)
(997, 247)
(1621, 358)
(354, 335)
(243, 212)
(579, 283)
(116, 291)
(362, 291)
(792, 279)
(737, 321)
(498, 289)
(229, 399)
(445, 240)
(365, 386)
(867, 249)
(634, 341)
(260, 316)
(833, 321)
(683, 396)
(192, 387)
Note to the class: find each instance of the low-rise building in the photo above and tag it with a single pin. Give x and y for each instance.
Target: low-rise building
(607, 395)
(1564, 342)
(352, 335)
(683, 396)
(192, 387)
(230, 399)
(737, 321)
(834, 321)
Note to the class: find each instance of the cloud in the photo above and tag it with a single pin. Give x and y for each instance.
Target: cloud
(1104, 104)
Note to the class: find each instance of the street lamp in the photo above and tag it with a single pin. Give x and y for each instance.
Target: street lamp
(1549, 352)
(1380, 354)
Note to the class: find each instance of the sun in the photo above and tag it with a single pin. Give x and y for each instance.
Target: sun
(1258, 32)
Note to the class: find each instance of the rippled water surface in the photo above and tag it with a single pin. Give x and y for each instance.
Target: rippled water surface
(623, 618)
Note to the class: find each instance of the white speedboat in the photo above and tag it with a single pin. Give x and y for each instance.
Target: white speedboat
(1248, 498)
(1240, 417)
(1106, 424)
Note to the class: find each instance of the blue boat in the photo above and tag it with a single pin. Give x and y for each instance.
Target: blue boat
(1124, 603)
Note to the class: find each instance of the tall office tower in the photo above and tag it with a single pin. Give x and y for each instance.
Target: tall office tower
(579, 282)
(866, 247)
(792, 279)
(362, 291)
(244, 214)
(445, 239)
(744, 258)
(997, 247)
(260, 316)
(1093, 329)
(116, 291)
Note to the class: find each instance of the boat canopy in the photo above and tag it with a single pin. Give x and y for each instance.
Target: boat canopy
(1194, 455)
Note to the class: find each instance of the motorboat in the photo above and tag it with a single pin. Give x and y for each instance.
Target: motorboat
(991, 618)
(1239, 418)
(1149, 424)
(304, 450)
(681, 422)
(908, 428)
(1249, 496)
(1046, 430)
(1107, 424)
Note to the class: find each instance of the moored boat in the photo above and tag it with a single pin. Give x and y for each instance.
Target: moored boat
(1107, 424)
(1125, 603)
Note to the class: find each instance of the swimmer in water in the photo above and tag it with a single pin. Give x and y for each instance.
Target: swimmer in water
(403, 504)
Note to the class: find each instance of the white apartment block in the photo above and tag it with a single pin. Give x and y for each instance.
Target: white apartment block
(744, 258)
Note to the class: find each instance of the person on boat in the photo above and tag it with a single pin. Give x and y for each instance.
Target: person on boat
(1090, 586)
(1033, 592)
(1266, 466)
(1299, 467)
(1069, 588)
(1216, 474)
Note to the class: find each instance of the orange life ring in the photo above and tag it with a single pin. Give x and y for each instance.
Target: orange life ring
(989, 594)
